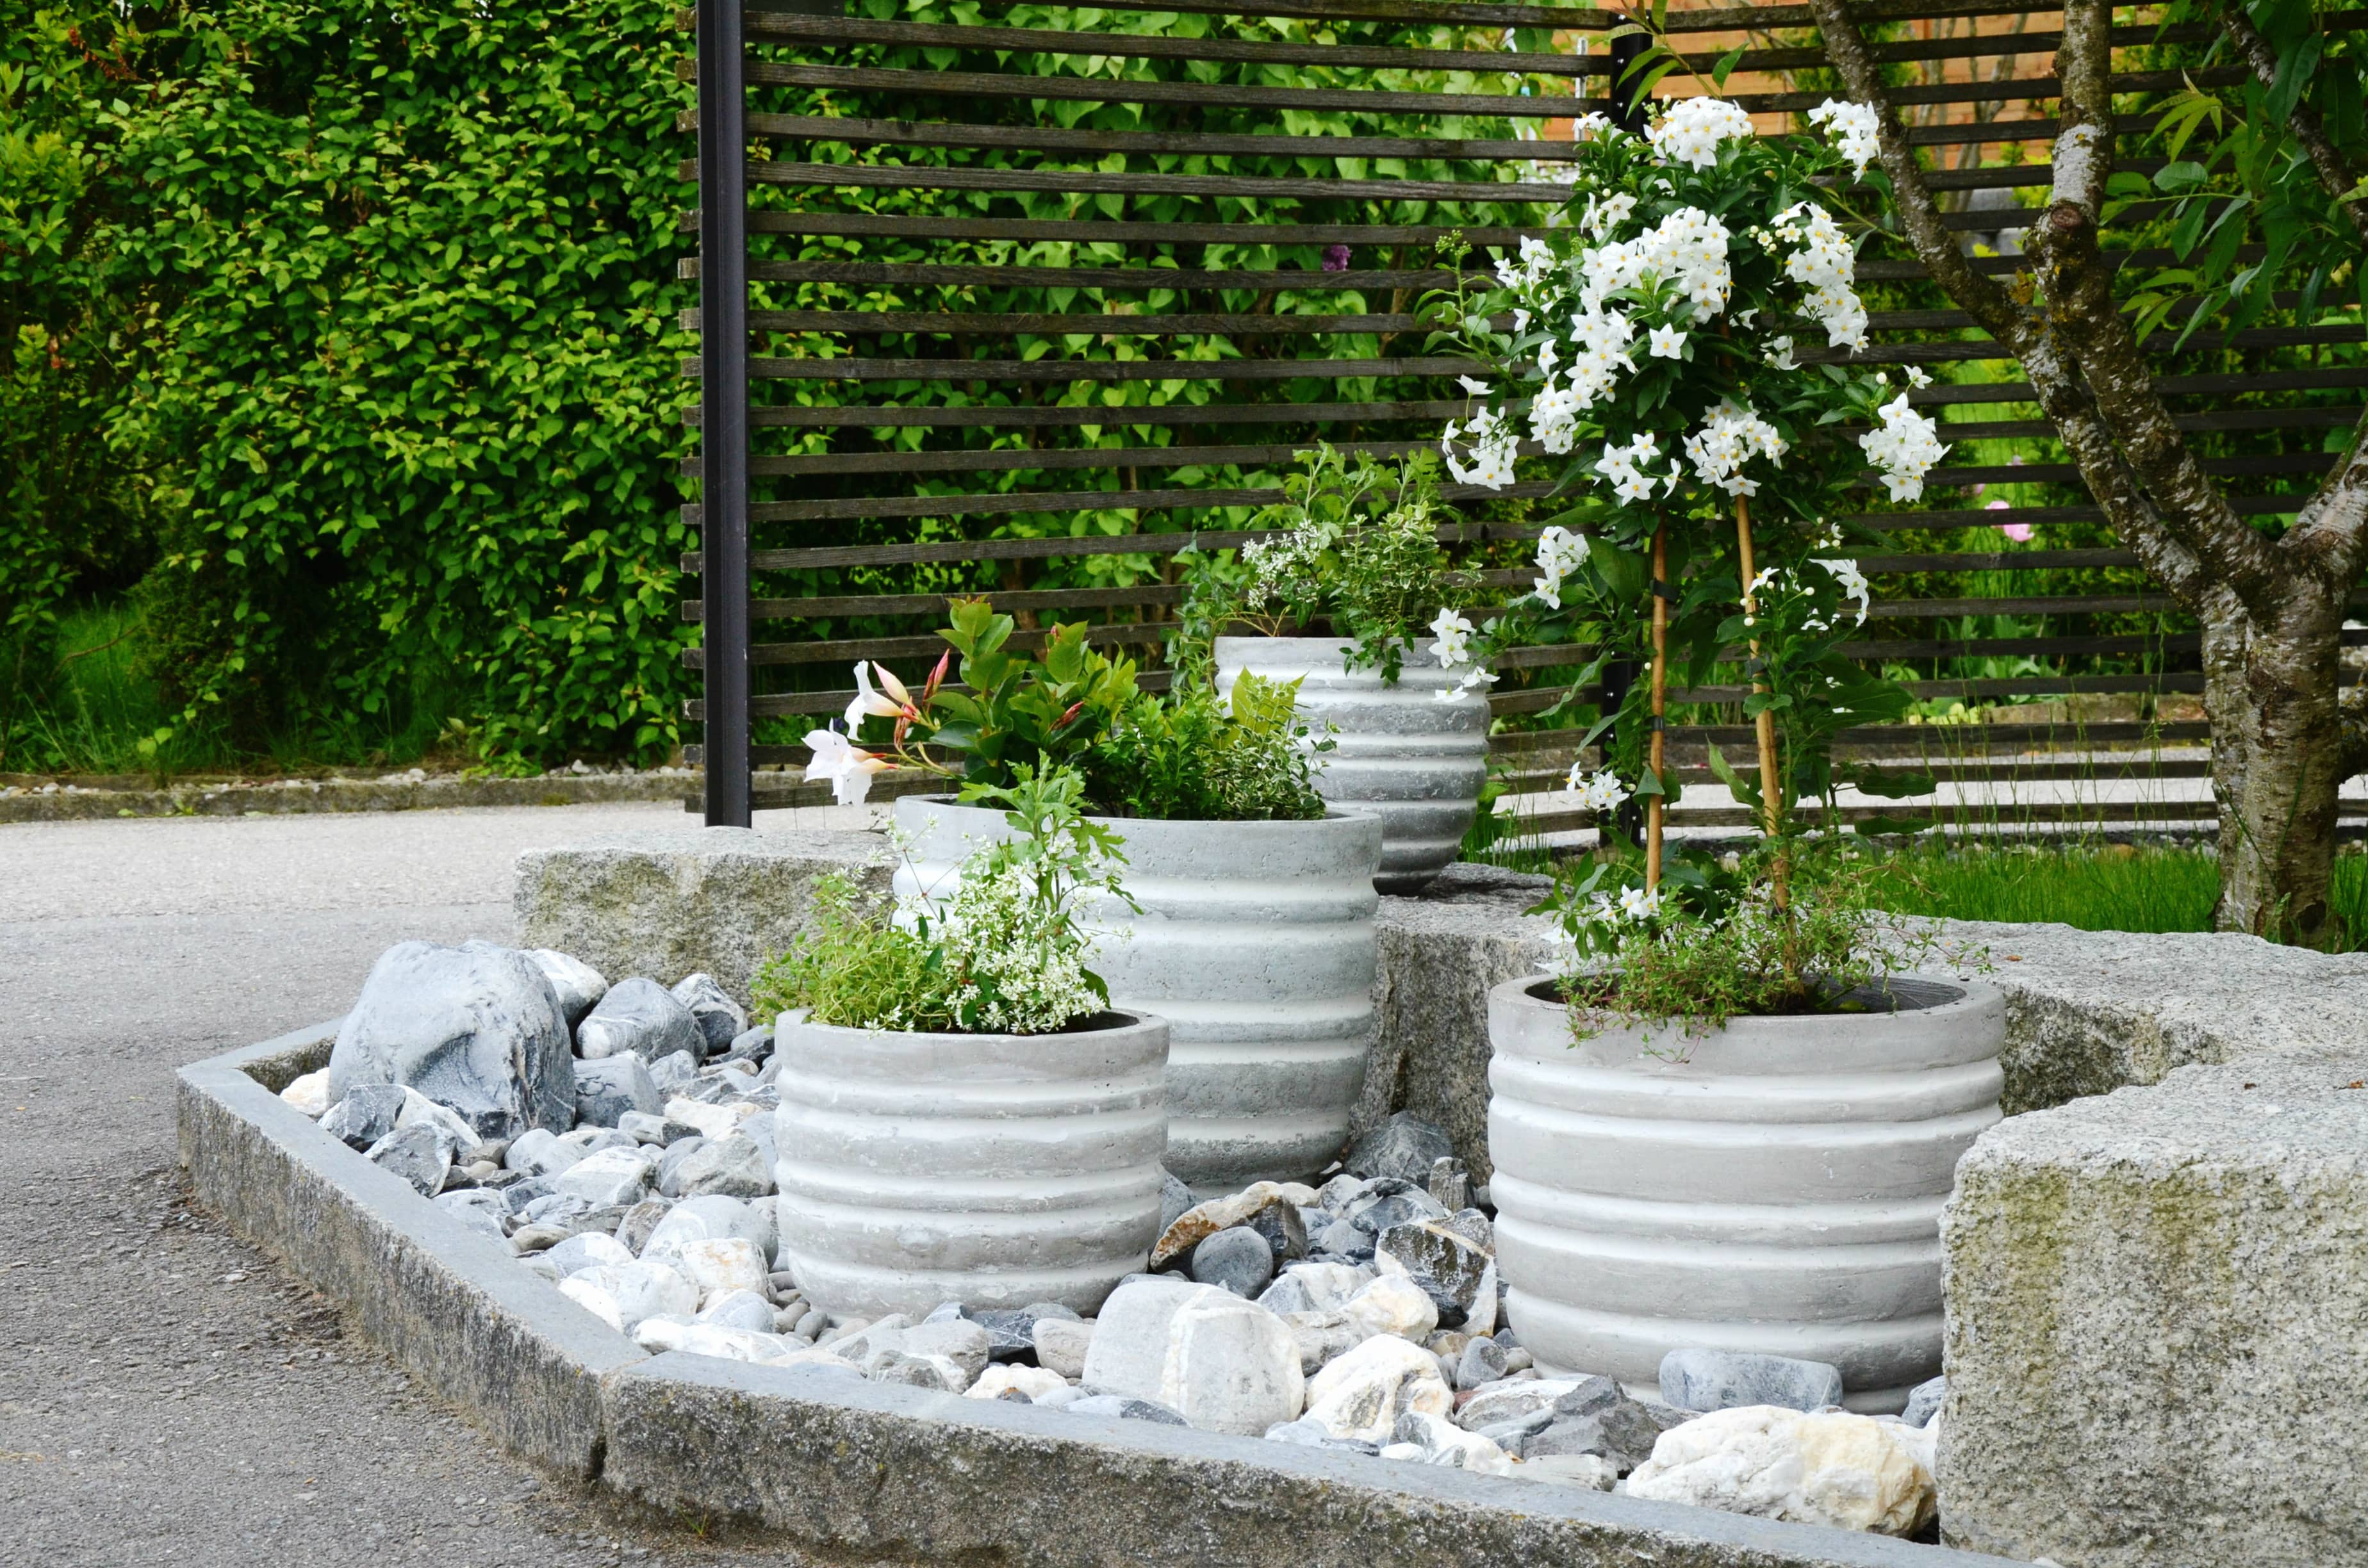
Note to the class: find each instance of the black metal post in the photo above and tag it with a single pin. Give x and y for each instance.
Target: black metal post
(1627, 107)
(724, 406)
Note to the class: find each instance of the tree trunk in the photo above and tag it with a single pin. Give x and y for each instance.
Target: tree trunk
(2277, 762)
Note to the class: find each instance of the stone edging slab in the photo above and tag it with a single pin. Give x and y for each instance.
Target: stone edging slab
(296, 796)
(876, 1470)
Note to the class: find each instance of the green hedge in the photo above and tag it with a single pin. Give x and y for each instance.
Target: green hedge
(346, 330)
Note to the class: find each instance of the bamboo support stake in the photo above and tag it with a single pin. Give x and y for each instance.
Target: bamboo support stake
(1763, 726)
(1655, 743)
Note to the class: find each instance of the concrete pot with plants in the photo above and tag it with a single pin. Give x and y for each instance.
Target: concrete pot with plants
(1731, 1122)
(1355, 545)
(1245, 919)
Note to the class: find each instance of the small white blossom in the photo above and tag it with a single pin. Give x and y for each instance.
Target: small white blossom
(1560, 552)
(847, 766)
(1598, 792)
(1693, 130)
(1454, 634)
(1904, 449)
(1666, 342)
(1476, 388)
(1636, 903)
(1853, 126)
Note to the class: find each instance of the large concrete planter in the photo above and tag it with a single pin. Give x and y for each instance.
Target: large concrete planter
(1256, 942)
(1403, 751)
(1774, 1186)
(994, 1170)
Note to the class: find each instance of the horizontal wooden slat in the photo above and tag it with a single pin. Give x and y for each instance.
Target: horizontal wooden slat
(1026, 415)
(867, 225)
(1056, 372)
(1242, 188)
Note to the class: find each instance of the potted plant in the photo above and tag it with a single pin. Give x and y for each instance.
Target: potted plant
(1357, 547)
(964, 1116)
(1732, 1120)
(1249, 924)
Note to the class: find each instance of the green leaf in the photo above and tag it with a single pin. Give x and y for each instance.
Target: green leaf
(1727, 63)
(1874, 825)
(1745, 792)
(1891, 786)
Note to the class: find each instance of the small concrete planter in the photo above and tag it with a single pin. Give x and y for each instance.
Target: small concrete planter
(1401, 751)
(1256, 943)
(994, 1170)
(1774, 1186)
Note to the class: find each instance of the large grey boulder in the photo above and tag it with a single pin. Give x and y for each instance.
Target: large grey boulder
(672, 901)
(2156, 1302)
(609, 1089)
(578, 985)
(475, 1028)
(642, 1017)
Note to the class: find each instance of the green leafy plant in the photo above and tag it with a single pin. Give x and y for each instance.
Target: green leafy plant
(1197, 757)
(1004, 955)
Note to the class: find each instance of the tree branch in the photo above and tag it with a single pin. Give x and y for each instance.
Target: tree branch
(2329, 537)
(2303, 121)
(2352, 715)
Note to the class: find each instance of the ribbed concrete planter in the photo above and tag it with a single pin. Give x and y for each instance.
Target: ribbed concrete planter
(994, 1170)
(1775, 1186)
(1399, 751)
(1256, 943)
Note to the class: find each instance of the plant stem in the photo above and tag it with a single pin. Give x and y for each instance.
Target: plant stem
(1764, 725)
(1656, 744)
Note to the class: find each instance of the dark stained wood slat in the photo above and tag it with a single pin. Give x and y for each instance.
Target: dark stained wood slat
(1068, 324)
(1057, 371)
(866, 226)
(1028, 416)
(1247, 188)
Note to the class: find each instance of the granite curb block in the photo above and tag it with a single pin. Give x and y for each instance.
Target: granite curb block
(450, 1303)
(873, 1471)
(337, 795)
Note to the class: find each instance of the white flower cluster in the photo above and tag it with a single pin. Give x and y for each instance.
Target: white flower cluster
(1904, 449)
(1606, 213)
(1687, 248)
(1693, 129)
(1560, 552)
(1524, 275)
(1594, 793)
(1629, 481)
(1009, 950)
(1776, 580)
(1493, 443)
(1453, 649)
(1826, 263)
(1853, 581)
(1634, 907)
(1852, 125)
(1731, 436)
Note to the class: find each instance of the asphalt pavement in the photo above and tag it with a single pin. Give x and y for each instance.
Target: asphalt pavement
(167, 1393)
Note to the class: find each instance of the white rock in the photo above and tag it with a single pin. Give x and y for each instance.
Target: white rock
(1508, 1400)
(1034, 1381)
(721, 1267)
(739, 1309)
(611, 1176)
(1363, 1393)
(538, 1153)
(576, 984)
(1061, 1344)
(712, 1217)
(623, 1294)
(1480, 1318)
(658, 1334)
(1316, 1287)
(808, 1355)
(1394, 1304)
(958, 1340)
(1850, 1471)
(714, 1121)
(1443, 1443)
(1225, 1365)
(590, 1250)
(310, 1094)
(1590, 1471)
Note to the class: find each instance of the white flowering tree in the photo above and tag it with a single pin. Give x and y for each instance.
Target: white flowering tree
(1651, 349)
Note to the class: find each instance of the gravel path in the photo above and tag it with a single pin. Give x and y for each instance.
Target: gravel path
(166, 1393)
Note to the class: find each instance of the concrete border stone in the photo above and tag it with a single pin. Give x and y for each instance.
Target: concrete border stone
(283, 796)
(870, 1470)
(448, 1303)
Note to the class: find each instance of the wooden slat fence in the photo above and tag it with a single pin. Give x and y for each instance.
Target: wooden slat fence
(1026, 306)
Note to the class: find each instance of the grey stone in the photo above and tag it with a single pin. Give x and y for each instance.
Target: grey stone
(539, 1154)
(1482, 1363)
(1336, 1195)
(1303, 1433)
(1924, 1402)
(419, 1154)
(2155, 1302)
(1061, 1345)
(1393, 1203)
(713, 1217)
(593, 1140)
(750, 1045)
(679, 1151)
(724, 900)
(1011, 1331)
(1701, 1380)
(1236, 1259)
(1345, 1238)
(962, 1343)
(648, 1127)
(642, 1017)
(728, 1167)
(1622, 1431)
(480, 1210)
(1175, 1198)
(1449, 1267)
(740, 1309)
(1124, 1407)
(676, 1073)
(720, 1018)
(609, 1088)
(475, 1029)
(587, 1249)
(366, 1115)
(1449, 1184)
(613, 1177)
(576, 984)
(1405, 1146)
(1286, 1237)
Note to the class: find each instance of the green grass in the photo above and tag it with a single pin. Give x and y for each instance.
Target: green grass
(96, 709)
(2094, 888)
